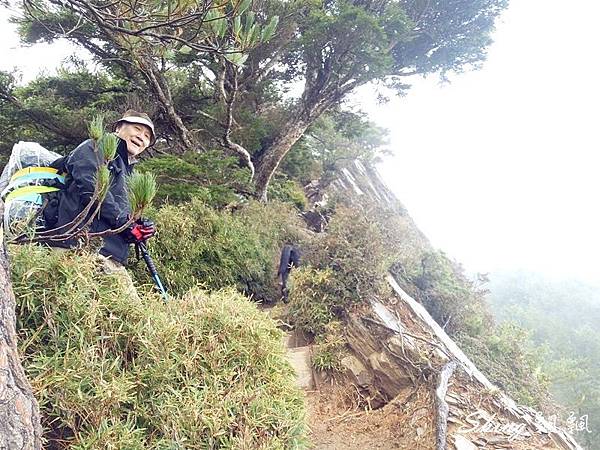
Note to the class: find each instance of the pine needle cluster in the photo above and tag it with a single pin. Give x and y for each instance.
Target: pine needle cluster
(142, 189)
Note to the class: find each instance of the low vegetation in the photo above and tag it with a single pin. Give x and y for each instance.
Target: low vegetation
(210, 177)
(200, 245)
(112, 369)
(345, 269)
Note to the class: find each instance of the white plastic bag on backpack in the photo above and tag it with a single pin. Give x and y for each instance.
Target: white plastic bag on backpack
(21, 211)
(26, 154)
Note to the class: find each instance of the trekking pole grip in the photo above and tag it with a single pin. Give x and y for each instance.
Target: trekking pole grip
(147, 258)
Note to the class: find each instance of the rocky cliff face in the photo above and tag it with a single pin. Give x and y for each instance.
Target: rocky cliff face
(362, 180)
(426, 392)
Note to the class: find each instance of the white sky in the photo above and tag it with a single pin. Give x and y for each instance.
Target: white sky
(499, 168)
(29, 60)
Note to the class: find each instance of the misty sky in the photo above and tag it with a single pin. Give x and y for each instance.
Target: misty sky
(499, 168)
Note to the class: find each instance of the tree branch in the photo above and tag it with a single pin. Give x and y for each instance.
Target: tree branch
(442, 406)
(229, 100)
(41, 118)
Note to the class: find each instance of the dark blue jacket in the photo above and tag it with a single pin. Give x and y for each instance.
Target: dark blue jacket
(81, 166)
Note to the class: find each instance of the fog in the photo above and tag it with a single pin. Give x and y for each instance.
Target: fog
(500, 167)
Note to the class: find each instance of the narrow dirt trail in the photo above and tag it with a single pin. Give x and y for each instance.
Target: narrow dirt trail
(334, 419)
(336, 423)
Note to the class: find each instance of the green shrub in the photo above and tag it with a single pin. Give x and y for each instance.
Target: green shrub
(313, 299)
(354, 249)
(503, 354)
(343, 267)
(330, 349)
(116, 371)
(197, 245)
(208, 176)
(288, 191)
(455, 301)
(313, 307)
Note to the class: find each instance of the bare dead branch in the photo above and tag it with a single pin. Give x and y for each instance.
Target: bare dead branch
(442, 406)
(231, 69)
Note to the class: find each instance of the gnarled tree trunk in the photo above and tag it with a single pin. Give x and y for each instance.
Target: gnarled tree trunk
(311, 107)
(275, 153)
(19, 413)
(316, 99)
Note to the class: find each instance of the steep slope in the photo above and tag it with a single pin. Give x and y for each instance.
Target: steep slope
(408, 384)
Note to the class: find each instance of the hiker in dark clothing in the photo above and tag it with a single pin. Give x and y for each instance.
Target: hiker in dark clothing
(290, 257)
(136, 133)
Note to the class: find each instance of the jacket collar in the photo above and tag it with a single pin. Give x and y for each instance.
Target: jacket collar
(124, 154)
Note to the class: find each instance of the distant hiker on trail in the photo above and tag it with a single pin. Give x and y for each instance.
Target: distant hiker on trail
(290, 257)
(136, 133)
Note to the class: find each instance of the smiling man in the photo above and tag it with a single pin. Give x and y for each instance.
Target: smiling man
(137, 130)
(136, 133)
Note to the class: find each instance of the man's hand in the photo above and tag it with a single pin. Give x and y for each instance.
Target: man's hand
(140, 231)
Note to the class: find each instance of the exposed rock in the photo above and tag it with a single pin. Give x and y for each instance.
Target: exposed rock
(300, 360)
(397, 354)
(400, 349)
(462, 443)
(315, 220)
(389, 378)
(362, 377)
(360, 180)
(315, 193)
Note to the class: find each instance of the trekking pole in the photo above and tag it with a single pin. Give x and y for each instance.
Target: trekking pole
(141, 246)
